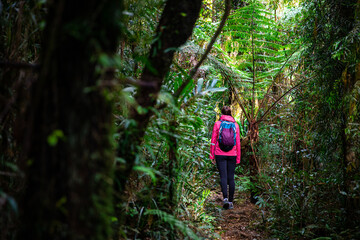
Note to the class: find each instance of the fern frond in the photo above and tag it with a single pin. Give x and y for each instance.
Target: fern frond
(173, 222)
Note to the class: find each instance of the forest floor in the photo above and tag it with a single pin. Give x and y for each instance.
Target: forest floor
(242, 222)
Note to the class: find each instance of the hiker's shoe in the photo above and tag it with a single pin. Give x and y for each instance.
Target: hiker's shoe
(226, 203)
(231, 205)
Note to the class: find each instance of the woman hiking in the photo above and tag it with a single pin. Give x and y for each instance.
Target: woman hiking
(225, 151)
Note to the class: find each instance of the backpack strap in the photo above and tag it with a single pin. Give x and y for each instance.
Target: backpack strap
(234, 129)
(220, 129)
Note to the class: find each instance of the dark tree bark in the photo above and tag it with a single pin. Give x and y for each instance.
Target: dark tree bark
(17, 47)
(68, 140)
(175, 27)
(348, 11)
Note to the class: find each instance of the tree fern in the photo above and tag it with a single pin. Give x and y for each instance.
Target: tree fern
(255, 45)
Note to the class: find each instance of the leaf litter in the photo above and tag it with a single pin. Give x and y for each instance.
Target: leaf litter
(243, 222)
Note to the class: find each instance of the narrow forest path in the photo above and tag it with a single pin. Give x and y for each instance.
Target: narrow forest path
(242, 222)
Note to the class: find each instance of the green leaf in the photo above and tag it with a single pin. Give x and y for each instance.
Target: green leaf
(199, 85)
(61, 202)
(210, 90)
(120, 160)
(12, 204)
(146, 170)
(213, 83)
(105, 60)
(54, 137)
(173, 222)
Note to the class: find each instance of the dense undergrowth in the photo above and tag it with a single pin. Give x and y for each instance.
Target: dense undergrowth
(298, 168)
(290, 68)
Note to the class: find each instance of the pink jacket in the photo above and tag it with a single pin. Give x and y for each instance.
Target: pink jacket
(215, 149)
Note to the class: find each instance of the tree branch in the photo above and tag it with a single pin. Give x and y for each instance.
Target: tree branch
(241, 104)
(277, 74)
(255, 159)
(174, 29)
(207, 51)
(274, 104)
(138, 82)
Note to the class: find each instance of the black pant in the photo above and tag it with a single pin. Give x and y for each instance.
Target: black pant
(226, 166)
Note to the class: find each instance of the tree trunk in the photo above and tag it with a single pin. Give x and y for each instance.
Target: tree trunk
(175, 27)
(68, 139)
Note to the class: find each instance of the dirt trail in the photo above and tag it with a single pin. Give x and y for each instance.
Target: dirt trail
(242, 222)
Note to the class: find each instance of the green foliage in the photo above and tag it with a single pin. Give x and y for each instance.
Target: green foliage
(54, 137)
(192, 171)
(173, 222)
(244, 183)
(255, 44)
(308, 150)
(309, 172)
(140, 21)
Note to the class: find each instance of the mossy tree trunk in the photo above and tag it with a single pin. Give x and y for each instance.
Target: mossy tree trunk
(67, 143)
